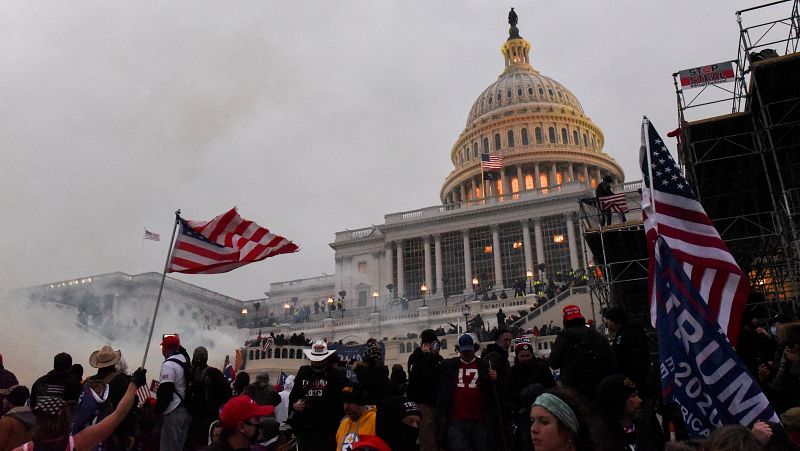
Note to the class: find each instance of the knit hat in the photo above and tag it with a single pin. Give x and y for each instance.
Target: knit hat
(571, 312)
(200, 354)
(523, 347)
(372, 351)
(62, 361)
(616, 314)
(355, 394)
(428, 336)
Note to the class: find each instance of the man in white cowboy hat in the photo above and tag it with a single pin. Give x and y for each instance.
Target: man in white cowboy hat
(314, 403)
(107, 387)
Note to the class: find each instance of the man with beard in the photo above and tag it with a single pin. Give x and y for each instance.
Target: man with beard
(242, 424)
(424, 366)
(315, 401)
(359, 418)
(627, 425)
(398, 423)
(528, 378)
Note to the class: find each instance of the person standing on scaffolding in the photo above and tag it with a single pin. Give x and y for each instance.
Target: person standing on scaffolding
(606, 202)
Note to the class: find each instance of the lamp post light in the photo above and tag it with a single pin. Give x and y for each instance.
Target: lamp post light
(375, 296)
(529, 275)
(257, 306)
(465, 311)
(244, 316)
(424, 289)
(330, 305)
(475, 283)
(286, 308)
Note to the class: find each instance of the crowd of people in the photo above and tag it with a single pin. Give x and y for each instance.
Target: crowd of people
(592, 393)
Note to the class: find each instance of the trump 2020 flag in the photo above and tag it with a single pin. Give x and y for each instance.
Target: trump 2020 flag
(699, 368)
(223, 244)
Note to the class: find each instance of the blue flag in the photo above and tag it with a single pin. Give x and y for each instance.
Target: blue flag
(699, 368)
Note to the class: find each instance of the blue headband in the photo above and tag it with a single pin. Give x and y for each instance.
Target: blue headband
(559, 409)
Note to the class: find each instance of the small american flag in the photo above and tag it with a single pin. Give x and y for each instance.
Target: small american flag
(224, 244)
(266, 343)
(148, 235)
(614, 202)
(491, 162)
(672, 211)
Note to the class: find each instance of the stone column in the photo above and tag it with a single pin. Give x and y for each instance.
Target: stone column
(573, 249)
(463, 192)
(536, 183)
(401, 276)
(598, 177)
(553, 174)
(526, 245)
(571, 173)
(389, 262)
(426, 246)
(520, 179)
(537, 230)
(586, 175)
(498, 265)
(467, 261)
(503, 182)
(437, 247)
(476, 183)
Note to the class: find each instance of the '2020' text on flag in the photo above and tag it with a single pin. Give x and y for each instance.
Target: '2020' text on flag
(223, 244)
(699, 368)
(670, 209)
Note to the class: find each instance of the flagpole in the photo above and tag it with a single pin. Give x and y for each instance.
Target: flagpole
(141, 251)
(161, 288)
(646, 130)
(483, 186)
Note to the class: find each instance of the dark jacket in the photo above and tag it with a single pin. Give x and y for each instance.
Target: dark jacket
(584, 357)
(57, 384)
(603, 189)
(322, 392)
(7, 380)
(423, 376)
(631, 354)
(521, 377)
(611, 399)
(263, 394)
(374, 378)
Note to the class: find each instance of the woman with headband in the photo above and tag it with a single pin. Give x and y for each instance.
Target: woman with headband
(560, 423)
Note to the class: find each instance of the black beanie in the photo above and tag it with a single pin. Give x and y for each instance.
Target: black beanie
(428, 336)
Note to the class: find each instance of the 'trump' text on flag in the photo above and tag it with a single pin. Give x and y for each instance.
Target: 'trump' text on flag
(223, 244)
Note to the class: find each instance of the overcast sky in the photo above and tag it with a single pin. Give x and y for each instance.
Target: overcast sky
(311, 117)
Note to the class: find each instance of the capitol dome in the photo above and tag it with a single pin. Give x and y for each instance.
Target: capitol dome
(538, 128)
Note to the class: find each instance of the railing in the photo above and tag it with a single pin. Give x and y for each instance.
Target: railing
(550, 303)
(311, 281)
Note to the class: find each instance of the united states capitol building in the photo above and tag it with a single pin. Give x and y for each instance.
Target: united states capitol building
(420, 268)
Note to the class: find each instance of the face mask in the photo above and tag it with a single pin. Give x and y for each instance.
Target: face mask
(407, 438)
(773, 330)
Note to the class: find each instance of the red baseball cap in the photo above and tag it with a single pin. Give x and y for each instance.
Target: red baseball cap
(241, 408)
(370, 443)
(171, 341)
(571, 312)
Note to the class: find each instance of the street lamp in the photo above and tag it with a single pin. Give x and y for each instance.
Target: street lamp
(330, 305)
(257, 306)
(244, 316)
(286, 308)
(375, 296)
(424, 289)
(475, 283)
(465, 311)
(529, 275)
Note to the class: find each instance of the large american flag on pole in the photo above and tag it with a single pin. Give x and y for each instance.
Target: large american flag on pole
(670, 209)
(223, 244)
(491, 163)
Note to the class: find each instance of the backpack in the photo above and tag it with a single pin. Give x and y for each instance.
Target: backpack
(93, 404)
(207, 392)
(188, 399)
(589, 364)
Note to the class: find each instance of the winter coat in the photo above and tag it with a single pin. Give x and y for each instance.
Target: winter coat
(583, 356)
(16, 428)
(423, 376)
(322, 393)
(60, 384)
(447, 387)
(374, 378)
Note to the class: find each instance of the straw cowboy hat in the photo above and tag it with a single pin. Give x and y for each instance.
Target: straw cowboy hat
(104, 357)
(318, 352)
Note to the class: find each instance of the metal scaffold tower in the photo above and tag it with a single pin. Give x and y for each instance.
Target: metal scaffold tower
(745, 165)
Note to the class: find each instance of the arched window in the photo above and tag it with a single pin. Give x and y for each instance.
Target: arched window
(284, 353)
(519, 92)
(299, 354)
(525, 140)
(485, 145)
(263, 354)
(499, 184)
(564, 136)
(585, 141)
(497, 141)
(551, 135)
(511, 138)
(541, 91)
(538, 133)
(514, 185)
(460, 158)
(530, 91)
(544, 179)
(529, 182)
(251, 354)
(402, 348)
(475, 150)
(291, 353)
(508, 94)
(499, 96)
(269, 353)
(550, 91)
(575, 139)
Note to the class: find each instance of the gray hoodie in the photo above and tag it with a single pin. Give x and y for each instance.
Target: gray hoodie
(23, 414)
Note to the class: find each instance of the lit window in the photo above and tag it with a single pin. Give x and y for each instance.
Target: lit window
(500, 187)
(487, 250)
(529, 182)
(543, 179)
(514, 185)
(558, 238)
(516, 245)
(559, 178)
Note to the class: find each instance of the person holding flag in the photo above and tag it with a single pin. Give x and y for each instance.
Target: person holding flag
(697, 294)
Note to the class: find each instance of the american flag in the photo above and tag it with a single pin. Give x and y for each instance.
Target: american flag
(614, 202)
(223, 244)
(148, 235)
(491, 163)
(671, 210)
(266, 343)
